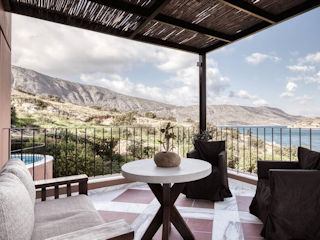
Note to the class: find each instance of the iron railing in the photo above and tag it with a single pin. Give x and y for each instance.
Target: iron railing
(101, 151)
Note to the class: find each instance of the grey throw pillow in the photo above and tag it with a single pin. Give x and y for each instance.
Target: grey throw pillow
(16, 209)
(18, 168)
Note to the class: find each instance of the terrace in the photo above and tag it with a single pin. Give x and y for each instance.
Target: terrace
(197, 27)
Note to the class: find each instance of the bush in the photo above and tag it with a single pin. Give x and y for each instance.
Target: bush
(150, 115)
(125, 119)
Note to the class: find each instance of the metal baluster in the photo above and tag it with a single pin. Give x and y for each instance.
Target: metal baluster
(127, 143)
(238, 150)
(188, 139)
(111, 146)
(310, 139)
(250, 148)
(141, 147)
(244, 149)
(300, 137)
(45, 154)
(154, 141)
(134, 143)
(85, 150)
(178, 140)
(66, 153)
(281, 144)
(119, 136)
(21, 144)
(55, 154)
(148, 141)
(76, 155)
(94, 152)
(264, 143)
(272, 143)
(104, 146)
(183, 136)
(232, 144)
(290, 142)
(257, 144)
(33, 151)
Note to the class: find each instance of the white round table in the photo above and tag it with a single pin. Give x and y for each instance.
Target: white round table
(159, 181)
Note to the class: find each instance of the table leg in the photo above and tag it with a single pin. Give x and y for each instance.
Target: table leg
(167, 213)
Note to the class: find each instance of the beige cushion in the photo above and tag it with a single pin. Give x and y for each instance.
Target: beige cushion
(18, 168)
(60, 216)
(16, 209)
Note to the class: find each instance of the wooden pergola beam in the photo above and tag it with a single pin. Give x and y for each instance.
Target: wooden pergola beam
(156, 8)
(251, 10)
(57, 17)
(146, 13)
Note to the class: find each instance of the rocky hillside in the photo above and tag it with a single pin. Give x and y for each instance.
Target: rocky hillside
(306, 123)
(232, 115)
(42, 85)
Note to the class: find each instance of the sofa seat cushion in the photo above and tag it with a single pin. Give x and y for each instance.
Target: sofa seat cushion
(16, 209)
(60, 216)
(18, 168)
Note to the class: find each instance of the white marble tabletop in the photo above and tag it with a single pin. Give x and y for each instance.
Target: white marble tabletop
(146, 171)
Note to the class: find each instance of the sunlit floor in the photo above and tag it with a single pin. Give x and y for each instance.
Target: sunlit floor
(136, 204)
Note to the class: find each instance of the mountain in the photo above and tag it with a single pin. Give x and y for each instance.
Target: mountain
(87, 95)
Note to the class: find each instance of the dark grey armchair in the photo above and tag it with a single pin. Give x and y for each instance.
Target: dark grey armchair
(215, 187)
(287, 198)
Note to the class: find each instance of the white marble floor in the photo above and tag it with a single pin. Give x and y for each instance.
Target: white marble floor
(225, 220)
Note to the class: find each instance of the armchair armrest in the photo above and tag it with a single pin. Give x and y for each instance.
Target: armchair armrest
(193, 154)
(265, 166)
(56, 182)
(118, 230)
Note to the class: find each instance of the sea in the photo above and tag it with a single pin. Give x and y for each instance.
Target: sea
(306, 137)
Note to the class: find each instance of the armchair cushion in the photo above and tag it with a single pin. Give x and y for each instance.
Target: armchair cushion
(295, 205)
(64, 215)
(18, 168)
(209, 151)
(308, 159)
(16, 209)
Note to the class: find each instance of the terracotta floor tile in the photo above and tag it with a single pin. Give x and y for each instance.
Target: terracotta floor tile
(202, 235)
(200, 225)
(243, 203)
(135, 196)
(183, 201)
(203, 204)
(174, 234)
(251, 229)
(109, 216)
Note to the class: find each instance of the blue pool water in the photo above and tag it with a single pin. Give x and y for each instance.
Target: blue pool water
(27, 159)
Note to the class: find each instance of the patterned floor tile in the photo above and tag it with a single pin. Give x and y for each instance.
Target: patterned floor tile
(135, 196)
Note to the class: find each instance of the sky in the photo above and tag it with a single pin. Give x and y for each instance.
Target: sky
(278, 67)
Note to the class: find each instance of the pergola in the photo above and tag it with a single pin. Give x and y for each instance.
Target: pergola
(195, 26)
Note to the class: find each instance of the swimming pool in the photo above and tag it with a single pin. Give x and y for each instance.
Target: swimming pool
(28, 159)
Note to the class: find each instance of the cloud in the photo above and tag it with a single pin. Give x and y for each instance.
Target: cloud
(243, 94)
(290, 88)
(303, 99)
(182, 90)
(301, 68)
(311, 58)
(256, 58)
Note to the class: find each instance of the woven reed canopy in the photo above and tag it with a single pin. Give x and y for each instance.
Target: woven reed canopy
(197, 26)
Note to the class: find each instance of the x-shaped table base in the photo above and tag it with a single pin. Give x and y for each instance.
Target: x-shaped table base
(167, 213)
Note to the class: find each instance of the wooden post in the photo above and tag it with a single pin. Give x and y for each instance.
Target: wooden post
(202, 93)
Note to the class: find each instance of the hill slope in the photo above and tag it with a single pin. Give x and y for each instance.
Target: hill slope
(87, 95)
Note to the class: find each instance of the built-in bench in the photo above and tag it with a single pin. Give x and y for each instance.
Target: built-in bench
(70, 217)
